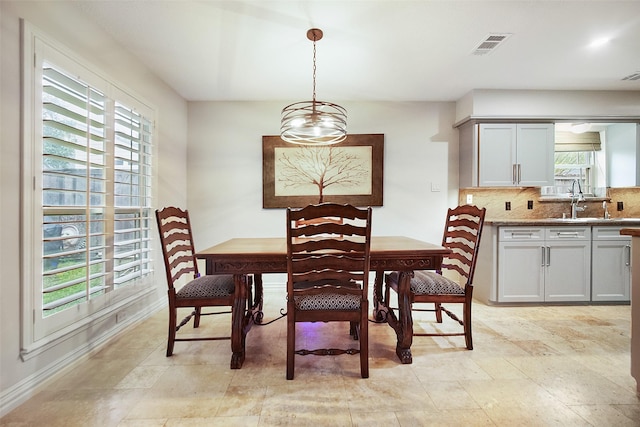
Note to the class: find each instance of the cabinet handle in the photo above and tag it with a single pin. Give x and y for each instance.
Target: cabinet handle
(513, 173)
(521, 234)
(543, 255)
(548, 256)
(568, 234)
(627, 261)
(519, 172)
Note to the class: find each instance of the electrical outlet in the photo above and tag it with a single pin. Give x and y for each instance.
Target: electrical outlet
(469, 199)
(529, 204)
(507, 206)
(620, 206)
(121, 316)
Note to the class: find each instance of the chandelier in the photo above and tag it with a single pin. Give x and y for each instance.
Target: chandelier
(313, 122)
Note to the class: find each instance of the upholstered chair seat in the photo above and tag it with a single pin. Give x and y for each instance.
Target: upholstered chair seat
(207, 286)
(328, 301)
(427, 282)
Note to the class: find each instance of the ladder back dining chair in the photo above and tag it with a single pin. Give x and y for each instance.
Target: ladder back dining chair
(454, 282)
(186, 287)
(328, 253)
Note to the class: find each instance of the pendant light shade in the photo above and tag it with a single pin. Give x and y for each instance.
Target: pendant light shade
(313, 122)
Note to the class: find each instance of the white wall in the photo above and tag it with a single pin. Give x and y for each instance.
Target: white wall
(18, 378)
(225, 167)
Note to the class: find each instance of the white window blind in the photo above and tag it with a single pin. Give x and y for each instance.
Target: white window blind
(73, 191)
(88, 165)
(132, 195)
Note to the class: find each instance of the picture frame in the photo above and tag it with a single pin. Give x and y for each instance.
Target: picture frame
(299, 175)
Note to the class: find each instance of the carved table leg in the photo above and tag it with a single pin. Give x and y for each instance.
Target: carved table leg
(405, 333)
(379, 309)
(237, 320)
(258, 299)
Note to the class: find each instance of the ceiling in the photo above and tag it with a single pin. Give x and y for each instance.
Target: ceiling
(375, 50)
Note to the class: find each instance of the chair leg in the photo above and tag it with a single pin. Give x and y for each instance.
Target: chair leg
(291, 340)
(353, 330)
(438, 310)
(467, 325)
(364, 344)
(196, 318)
(172, 329)
(387, 294)
(257, 303)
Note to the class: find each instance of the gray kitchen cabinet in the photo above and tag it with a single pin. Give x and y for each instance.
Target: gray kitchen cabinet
(521, 264)
(611, 265)
(507, 154)
(544, 264)
(568, 264)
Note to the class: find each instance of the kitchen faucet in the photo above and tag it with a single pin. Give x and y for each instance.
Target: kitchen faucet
(575, 198)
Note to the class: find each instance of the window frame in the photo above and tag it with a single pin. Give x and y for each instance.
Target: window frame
(586, 177)
(38, 332)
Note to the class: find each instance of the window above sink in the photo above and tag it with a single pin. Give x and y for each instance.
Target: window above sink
(586, 152)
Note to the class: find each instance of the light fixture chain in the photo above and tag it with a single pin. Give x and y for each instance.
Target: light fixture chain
(314, 69)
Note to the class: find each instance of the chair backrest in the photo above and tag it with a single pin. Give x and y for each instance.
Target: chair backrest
(177, 245)
(318, 221)
(328, 253)
(462, 233)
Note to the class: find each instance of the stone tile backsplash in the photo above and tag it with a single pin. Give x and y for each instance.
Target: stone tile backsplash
(496, 199)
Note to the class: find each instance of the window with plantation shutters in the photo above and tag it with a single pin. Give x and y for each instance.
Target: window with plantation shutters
(74, 188)
(132, 196)
(88, 174)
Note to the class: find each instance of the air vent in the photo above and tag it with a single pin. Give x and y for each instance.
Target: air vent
(634, 76)
(490, 43)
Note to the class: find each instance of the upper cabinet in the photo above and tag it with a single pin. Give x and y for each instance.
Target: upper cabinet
(499, 155)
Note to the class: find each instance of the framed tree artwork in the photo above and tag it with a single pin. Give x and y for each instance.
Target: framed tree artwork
(299, 175)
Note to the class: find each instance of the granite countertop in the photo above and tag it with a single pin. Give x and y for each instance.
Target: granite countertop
(616, 222)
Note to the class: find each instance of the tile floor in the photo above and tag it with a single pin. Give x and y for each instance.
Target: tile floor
(531, 366)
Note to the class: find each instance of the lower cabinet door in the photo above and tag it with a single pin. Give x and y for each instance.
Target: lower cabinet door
(611, 270)
(521, 272)
(568, 273)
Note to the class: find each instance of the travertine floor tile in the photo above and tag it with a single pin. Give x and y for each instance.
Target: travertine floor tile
(248, 421)
(531, 366)
(448, 395)
(142, 377)
(549, 415)
(604, 415)
(453, 418)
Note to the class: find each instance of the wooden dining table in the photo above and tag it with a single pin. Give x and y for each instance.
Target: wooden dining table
(244, 257)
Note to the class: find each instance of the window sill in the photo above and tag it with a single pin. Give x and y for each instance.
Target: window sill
(50, 341)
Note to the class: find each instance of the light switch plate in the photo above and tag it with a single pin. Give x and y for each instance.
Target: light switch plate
(469, 199)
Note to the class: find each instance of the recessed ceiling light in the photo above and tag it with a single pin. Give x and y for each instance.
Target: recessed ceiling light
(599, 42)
